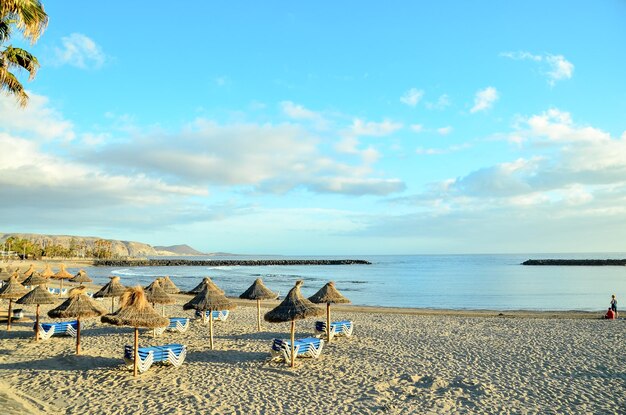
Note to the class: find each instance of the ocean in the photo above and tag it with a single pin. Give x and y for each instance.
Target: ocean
(463, 282)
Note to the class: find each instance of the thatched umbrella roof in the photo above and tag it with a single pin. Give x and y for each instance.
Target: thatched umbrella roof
(35, 279)
(112, 289)
(206, 281)
(47, 272)
(77, 306)
(12, 289)
(168, 285)
(293, 307)
(40, 295)
(156, 294)
(62, 274)
(81, 276)
(28, 272)
(328, 294)
(209, 300)
(135, 311)
(6, 273)
(258, 291)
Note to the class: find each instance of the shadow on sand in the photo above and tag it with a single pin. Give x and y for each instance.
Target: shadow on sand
(66, 362)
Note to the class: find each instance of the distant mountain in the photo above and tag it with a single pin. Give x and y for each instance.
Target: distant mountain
(179, 250)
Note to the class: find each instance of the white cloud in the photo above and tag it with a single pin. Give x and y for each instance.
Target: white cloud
(556, 67)
(442, 103)
(80, 51)
(444, 130)
(560, 68)
(298, 112)
(484, 99)
(417, 128)
(375, 129)
(39, 120)
(447, 150)
(412, 97)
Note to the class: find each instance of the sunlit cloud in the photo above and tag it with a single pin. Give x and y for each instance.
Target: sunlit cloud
(412, 97)
(80, 51)
(485, 99)
(556, 67)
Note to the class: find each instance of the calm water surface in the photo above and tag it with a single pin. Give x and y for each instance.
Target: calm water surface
(422, 281)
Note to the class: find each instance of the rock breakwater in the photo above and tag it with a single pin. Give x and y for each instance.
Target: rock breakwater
(223, 262)
(576, 262)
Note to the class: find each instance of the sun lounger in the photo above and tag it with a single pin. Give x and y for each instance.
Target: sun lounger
(168, 353)
(308, 347)
(337, 328)
(17, 313)
(47, 330)
(220, 315)
(57, 291)
(180, 324)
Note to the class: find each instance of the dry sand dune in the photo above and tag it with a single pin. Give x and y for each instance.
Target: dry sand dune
(394, 363)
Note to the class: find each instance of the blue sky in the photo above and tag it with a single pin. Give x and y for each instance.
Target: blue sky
(325, 128)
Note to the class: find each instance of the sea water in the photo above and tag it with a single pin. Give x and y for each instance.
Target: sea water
(495, 282)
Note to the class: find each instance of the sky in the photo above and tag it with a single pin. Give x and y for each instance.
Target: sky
(324, 128)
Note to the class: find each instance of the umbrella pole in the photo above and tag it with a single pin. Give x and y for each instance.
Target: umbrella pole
(154, 329)
(60, 290)
(163, 310)
(112, 304)
(258, 315)
(10, 315)
(328, 322)
(78, 335)
(37, 323)
(136, 351)
(211, 330)
(293, 336)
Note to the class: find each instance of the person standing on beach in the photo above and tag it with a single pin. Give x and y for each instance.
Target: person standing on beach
(614, 304)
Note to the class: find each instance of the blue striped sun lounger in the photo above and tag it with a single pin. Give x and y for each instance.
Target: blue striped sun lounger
(169, 353)
(47, 330)
(180, 324)
(307, 347)
(219, 315)
(337, 328)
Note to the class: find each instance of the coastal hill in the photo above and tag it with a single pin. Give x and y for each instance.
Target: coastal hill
(83, 244)
(179, 250)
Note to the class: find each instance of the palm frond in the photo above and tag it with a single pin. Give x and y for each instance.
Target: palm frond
(11, 86)
(19, 58)
(29, 16)
(5, 30)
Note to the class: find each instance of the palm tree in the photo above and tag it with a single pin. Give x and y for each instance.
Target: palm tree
(29, 17)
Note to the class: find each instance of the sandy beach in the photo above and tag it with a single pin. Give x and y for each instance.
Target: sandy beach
(397, 361)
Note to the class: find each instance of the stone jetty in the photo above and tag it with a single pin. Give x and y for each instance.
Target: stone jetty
(223, 262)
(576, 262)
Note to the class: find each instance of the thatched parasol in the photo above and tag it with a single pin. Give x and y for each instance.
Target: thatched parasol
(77, 306)
(209, 300)
(206, 281)
(6, 273)
(112, 289)
(12, 290)
(157, 295)
(40, 295)
(257, 291)
(62, 275)
(168, 285)
(294, 307)
(35, 279)
(328, 294)
(81, 277)
(27, 273)
(135, 311)
(47, 272)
